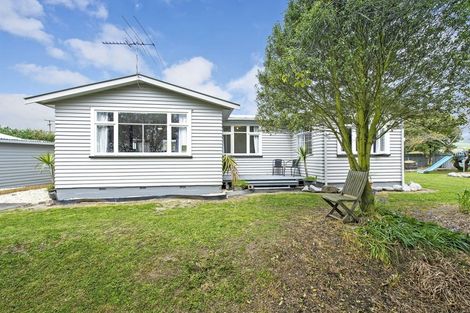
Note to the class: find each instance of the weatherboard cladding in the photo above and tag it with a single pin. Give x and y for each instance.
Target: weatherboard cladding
(18, 166)
(75, 168)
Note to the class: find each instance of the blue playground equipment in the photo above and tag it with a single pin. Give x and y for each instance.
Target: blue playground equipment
(436, 165)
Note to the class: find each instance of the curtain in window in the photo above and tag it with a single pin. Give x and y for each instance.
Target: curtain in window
(254, 144)
(104, 138)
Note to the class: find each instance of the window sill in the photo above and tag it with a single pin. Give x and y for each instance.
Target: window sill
(245, 155)
(344, 155)
(137, 156)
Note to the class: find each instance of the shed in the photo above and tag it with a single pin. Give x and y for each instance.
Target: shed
(18, 166)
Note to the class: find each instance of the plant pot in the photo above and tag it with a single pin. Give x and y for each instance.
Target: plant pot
(53, 194)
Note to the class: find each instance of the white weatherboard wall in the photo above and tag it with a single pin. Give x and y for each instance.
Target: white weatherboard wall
(274, 146)
(385, 169)
(75, 169)
(18, 166)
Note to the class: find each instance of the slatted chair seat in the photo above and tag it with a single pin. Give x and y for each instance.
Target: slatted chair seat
(351, 193)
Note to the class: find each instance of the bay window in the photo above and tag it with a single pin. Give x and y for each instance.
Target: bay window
(141, 133)
(242, 140)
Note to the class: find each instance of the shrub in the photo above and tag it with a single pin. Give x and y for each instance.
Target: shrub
(389, 231)
(311, 178)
(242, 184)
(464, 201)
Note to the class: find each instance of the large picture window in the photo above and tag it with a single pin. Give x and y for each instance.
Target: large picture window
(242, 140)
(141, 133)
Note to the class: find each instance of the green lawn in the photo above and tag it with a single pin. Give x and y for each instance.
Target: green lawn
(443, 190)
(134, 258)
(179, 256)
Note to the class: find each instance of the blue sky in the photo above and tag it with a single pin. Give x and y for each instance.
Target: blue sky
(213, 46)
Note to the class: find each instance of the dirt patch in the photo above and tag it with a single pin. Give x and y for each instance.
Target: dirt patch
(446, 216)
(318, 268)
(167, 204)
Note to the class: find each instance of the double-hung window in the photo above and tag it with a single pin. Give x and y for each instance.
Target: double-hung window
(381, 145)
(242, 140)
(139, 133)
(305, 140)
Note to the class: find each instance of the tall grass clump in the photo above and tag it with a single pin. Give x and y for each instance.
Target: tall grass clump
(388, 232)
(464, 201)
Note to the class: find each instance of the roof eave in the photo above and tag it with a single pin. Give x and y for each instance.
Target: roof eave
(49, 98)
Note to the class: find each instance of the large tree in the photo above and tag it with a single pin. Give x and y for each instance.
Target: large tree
(365, 64)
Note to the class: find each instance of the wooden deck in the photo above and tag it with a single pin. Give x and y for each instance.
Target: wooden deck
(268, 180)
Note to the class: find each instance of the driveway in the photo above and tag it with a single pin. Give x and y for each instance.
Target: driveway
(23, 199)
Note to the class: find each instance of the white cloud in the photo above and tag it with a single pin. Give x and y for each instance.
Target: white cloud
(244, 90)
(16, 114)
(23, 18)
(91, 7)
(196, 74)
(51, 75)
(120, 59)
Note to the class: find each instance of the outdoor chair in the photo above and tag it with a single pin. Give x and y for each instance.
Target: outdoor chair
(279, 166)
(351, 193)
(294, 166)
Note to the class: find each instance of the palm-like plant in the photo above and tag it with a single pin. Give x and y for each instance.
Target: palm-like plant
(229, 165)
(303, 154)
(47, 162)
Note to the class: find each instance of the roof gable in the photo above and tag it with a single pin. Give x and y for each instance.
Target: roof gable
(50, 98)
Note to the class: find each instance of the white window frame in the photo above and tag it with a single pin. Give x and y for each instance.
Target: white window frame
(303, 135)
(259, 133)
(384, 152)
(115, 123)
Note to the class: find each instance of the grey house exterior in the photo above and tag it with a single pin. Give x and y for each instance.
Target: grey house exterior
(139, 137)
(18, 166)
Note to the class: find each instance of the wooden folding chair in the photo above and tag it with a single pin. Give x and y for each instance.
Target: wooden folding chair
(351, 193)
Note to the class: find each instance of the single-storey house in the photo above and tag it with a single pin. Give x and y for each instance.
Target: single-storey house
(18, 164)
(137, 136)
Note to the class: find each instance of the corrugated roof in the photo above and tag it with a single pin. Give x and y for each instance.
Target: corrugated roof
(10, 139)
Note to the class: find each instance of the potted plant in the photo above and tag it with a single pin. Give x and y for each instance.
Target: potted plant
(229, 165)
(47, 162)
(303, 155)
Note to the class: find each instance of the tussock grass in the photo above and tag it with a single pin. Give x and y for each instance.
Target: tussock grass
(388, 232)
(464, 201)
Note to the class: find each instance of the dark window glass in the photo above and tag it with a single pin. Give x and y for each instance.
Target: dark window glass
(155, 138)
(143, 118)
(227, 144)
(227, 129)
(240, 143)
(130, 138)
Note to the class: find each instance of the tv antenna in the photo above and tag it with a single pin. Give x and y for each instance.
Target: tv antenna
(49, 123)
(135, 42)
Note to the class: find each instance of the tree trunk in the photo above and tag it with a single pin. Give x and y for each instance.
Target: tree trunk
(305, 167)
(368, 199)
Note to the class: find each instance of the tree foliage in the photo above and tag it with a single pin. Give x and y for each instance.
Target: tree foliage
(367, 64)
(34, 134)
(434, 132)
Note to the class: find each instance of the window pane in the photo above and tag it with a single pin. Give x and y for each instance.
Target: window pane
(179, 139)
(240, 143)
(104, 139)
(179, 118)
(254, 144)
(254, 129)
(308, 142)
(130, 138)
(155, 138)
(227, 129)
(240, 129)
(227, 144)
(144, 118)
(104, 116)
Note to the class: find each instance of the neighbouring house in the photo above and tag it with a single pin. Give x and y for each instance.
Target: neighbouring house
(18, 164)
(137, 136)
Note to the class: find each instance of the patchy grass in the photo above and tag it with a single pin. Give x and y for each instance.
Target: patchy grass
(385, 235)
(138, 257)
(442, 191)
